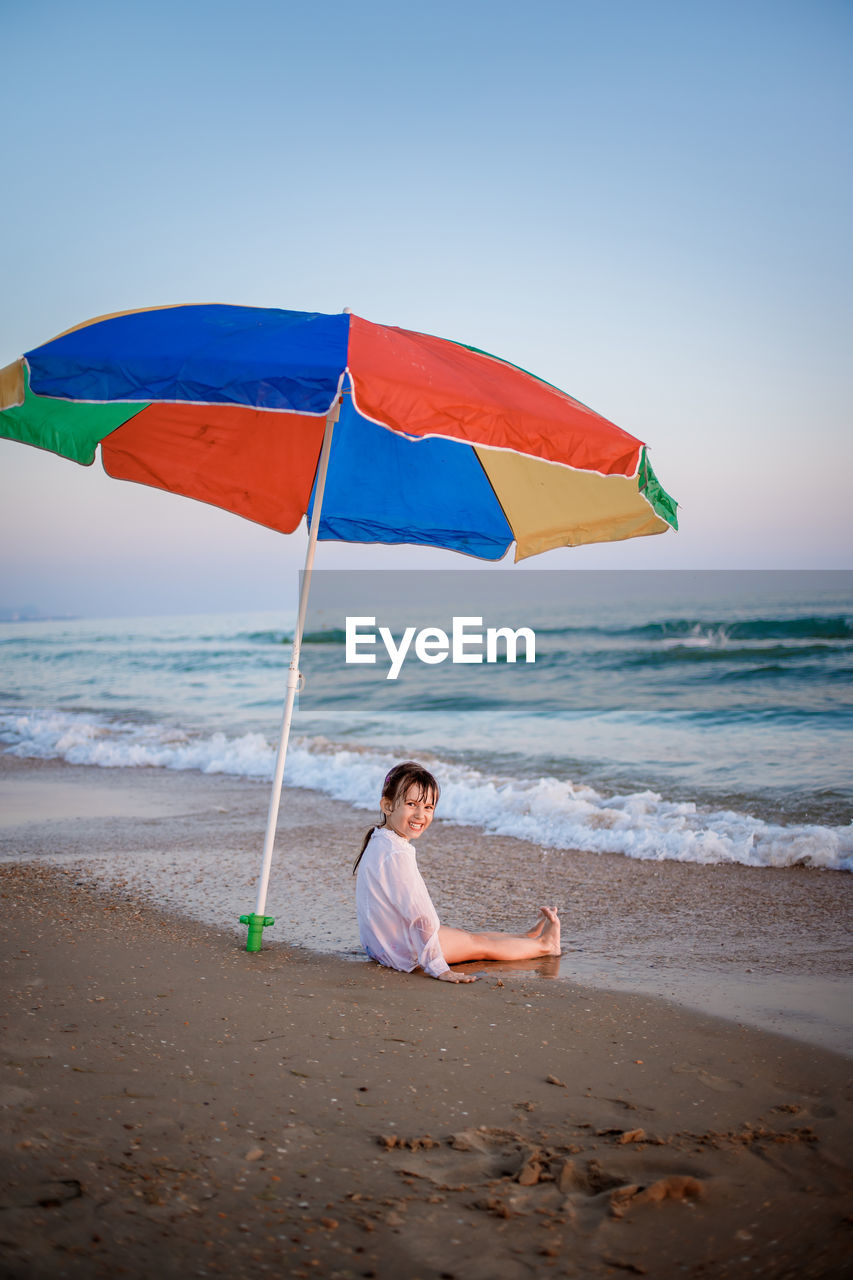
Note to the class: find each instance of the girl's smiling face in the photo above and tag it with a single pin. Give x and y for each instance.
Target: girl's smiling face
(410, 814)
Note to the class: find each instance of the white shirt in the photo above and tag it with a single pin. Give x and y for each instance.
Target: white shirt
(397, 922)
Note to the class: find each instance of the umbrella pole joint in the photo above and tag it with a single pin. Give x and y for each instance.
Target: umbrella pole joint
(256, 924)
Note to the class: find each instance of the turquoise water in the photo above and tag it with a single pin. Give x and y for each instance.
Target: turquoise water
(702, 717)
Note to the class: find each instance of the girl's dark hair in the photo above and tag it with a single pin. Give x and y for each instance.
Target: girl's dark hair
(397, 783)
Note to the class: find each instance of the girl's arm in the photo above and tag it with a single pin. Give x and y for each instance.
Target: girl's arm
(414, 902)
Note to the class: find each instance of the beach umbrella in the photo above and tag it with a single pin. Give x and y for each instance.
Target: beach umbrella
(376, 433)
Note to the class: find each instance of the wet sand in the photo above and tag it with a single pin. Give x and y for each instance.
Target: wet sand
(172, 1105)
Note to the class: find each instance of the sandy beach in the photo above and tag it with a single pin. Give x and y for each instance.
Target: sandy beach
(174, 1105)
(770, 947)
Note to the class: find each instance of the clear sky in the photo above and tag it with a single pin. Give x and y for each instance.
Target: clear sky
(646, 202)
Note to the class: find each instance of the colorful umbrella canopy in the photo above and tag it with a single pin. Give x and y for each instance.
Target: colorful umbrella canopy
(228, 405)
(378, 434)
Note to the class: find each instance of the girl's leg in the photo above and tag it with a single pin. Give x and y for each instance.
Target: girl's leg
(458, 945)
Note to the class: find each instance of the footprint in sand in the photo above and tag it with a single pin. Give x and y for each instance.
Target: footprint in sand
(719, 1083)
(14, 1095)
(471, 1156)
(42, 1194)
(817, 1110)
(515, 1176)
(821, 1111)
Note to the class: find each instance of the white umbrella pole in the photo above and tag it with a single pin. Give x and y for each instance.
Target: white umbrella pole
(257, 920)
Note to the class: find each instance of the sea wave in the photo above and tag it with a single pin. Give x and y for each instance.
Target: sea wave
(80, 738)
(687, 632)
(711, 632)
(725, 652)
(552, 812)
(705, 631)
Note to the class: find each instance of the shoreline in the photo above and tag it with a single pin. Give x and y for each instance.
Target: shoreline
(766, 947)
(173, 1105)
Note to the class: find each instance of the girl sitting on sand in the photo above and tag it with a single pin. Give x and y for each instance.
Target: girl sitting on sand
(397, 922)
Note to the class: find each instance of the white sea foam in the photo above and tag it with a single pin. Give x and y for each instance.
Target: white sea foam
(698, 637)
(552, 812)
(82, 739)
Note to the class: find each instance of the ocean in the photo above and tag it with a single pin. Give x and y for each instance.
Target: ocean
(694, 717)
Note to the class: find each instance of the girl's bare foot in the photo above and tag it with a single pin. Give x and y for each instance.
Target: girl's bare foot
(551, 931)
(539, 925)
